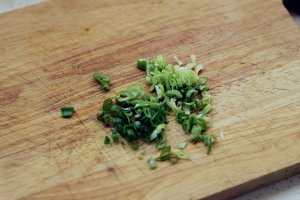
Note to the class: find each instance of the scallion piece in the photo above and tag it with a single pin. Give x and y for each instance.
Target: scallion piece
(174, 93)
(142, 64)
(103, 80)
(206, 109)
(67, 111)
(115, 136)
(151, 163)
(106, 140)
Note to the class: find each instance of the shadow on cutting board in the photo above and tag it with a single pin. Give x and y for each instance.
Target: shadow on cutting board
(293, 6)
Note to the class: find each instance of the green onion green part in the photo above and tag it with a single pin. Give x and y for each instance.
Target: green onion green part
(173, 157)
(67, 111)
(103, 80)
(176, 89)
(151, 163)
(142, 64)
(115, 136)
(106, 140)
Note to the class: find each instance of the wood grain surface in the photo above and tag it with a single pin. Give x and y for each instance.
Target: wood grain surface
(49, 51)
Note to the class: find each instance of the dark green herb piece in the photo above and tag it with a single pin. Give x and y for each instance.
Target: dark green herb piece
(115, 136)
(186, 126)
(176, 89)
(107, 104)
(196, 129)
(106, 140)
(67, 111)
(208, 140)
(174, 93)
(142, 64)
(165, 153)
(181, 116)
(103, 80)
(136, 116)
(173, 157)
(105, 118)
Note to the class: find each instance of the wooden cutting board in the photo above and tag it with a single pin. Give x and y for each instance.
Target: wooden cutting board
(48, 53)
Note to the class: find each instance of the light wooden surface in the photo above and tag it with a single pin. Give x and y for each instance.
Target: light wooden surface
(49, 52)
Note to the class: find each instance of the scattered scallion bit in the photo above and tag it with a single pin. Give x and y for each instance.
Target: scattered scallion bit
(135, 116)
(181, 145)
(142, 64)
(106, 140)
(67, 111)
(115, 136)
(173, 157)
(103, 80)
(151, 163)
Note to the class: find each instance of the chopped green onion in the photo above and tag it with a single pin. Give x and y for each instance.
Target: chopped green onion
(106, 140)
(142, 64)
(191, 93)
(187, 108)
(139, 116)
(151, 163)
(174, 93)
(103, 80)
(157, 131)
(174, 158)
(195, 137)
(115, 136)
(67, 111)
(196, 129)
(105, 118)
(107, 104)
(206, 109)
(181, 116)
(165, 153)
(165, 149)
(208, 140)
(186, 126)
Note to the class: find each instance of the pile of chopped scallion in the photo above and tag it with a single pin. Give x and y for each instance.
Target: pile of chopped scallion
(139, 116)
